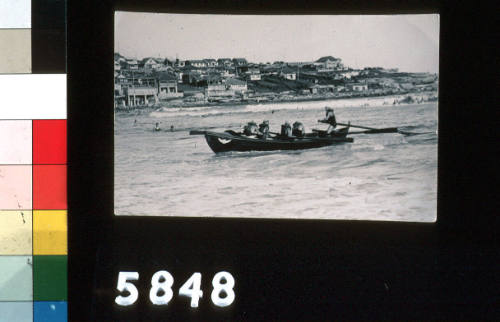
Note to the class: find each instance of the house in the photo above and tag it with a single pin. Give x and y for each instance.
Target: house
(167, 86)
(210, 62)
(321, 89)
(358, 87)
(150, 63)
(130, 64)
(117, 65)
(196, 63)
(288, 73)
(179, 63)
(227, 72)
(224, 62)
(240, 62)
(253, 74)
(139, 89)
(328, 62)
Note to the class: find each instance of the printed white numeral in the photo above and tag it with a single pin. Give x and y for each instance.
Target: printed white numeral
(192, 289)
(123, 285)
(164, 287)
(224, 288)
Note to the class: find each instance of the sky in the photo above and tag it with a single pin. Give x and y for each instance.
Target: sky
(407, 42)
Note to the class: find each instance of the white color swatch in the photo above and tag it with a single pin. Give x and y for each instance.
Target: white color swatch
(15, 14)
(33, 96)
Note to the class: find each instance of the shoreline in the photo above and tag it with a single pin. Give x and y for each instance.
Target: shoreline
(416, 98)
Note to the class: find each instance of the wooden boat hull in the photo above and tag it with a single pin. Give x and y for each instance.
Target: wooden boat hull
(231, 141)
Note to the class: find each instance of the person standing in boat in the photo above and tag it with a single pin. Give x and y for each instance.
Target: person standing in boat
(264, 129)
(330, 119)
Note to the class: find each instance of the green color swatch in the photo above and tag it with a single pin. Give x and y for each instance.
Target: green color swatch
(50, 278)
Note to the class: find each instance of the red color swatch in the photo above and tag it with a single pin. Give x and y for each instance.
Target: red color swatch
(49, 142)
(49, 187)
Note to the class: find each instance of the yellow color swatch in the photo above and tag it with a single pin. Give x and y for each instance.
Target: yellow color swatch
(50, 232)
(15, 232)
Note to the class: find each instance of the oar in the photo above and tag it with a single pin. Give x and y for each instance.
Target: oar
(371, 130)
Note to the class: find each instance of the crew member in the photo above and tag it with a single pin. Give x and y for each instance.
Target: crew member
(264, 129)
(250, 129)
(330, 119)
(286, 129)
(298, 129)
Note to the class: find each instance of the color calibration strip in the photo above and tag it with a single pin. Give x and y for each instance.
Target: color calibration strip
(33, 206)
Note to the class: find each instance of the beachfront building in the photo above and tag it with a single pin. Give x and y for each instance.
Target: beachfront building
(167, 86)
(135, 89)
(236, 85)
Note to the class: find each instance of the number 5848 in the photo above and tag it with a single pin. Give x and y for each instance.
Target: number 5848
(161, 288)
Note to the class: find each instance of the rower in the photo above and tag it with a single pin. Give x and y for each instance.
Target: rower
(264, 130)
(250, 129)
(286, 129)
(298, 129)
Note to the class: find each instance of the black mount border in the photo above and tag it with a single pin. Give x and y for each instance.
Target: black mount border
(443, 270)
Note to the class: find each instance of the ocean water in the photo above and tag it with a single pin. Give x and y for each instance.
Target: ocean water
(377, 177)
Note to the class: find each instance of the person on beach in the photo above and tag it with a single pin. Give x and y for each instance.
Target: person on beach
(264, 129)
(286, 129)
(157, 126)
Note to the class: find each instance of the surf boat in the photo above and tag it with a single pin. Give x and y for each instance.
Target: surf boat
(234, 141)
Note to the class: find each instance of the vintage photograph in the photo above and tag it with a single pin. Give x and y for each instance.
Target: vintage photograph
(276, 116)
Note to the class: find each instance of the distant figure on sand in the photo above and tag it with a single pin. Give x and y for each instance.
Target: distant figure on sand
(157, 127)
(171, 128)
